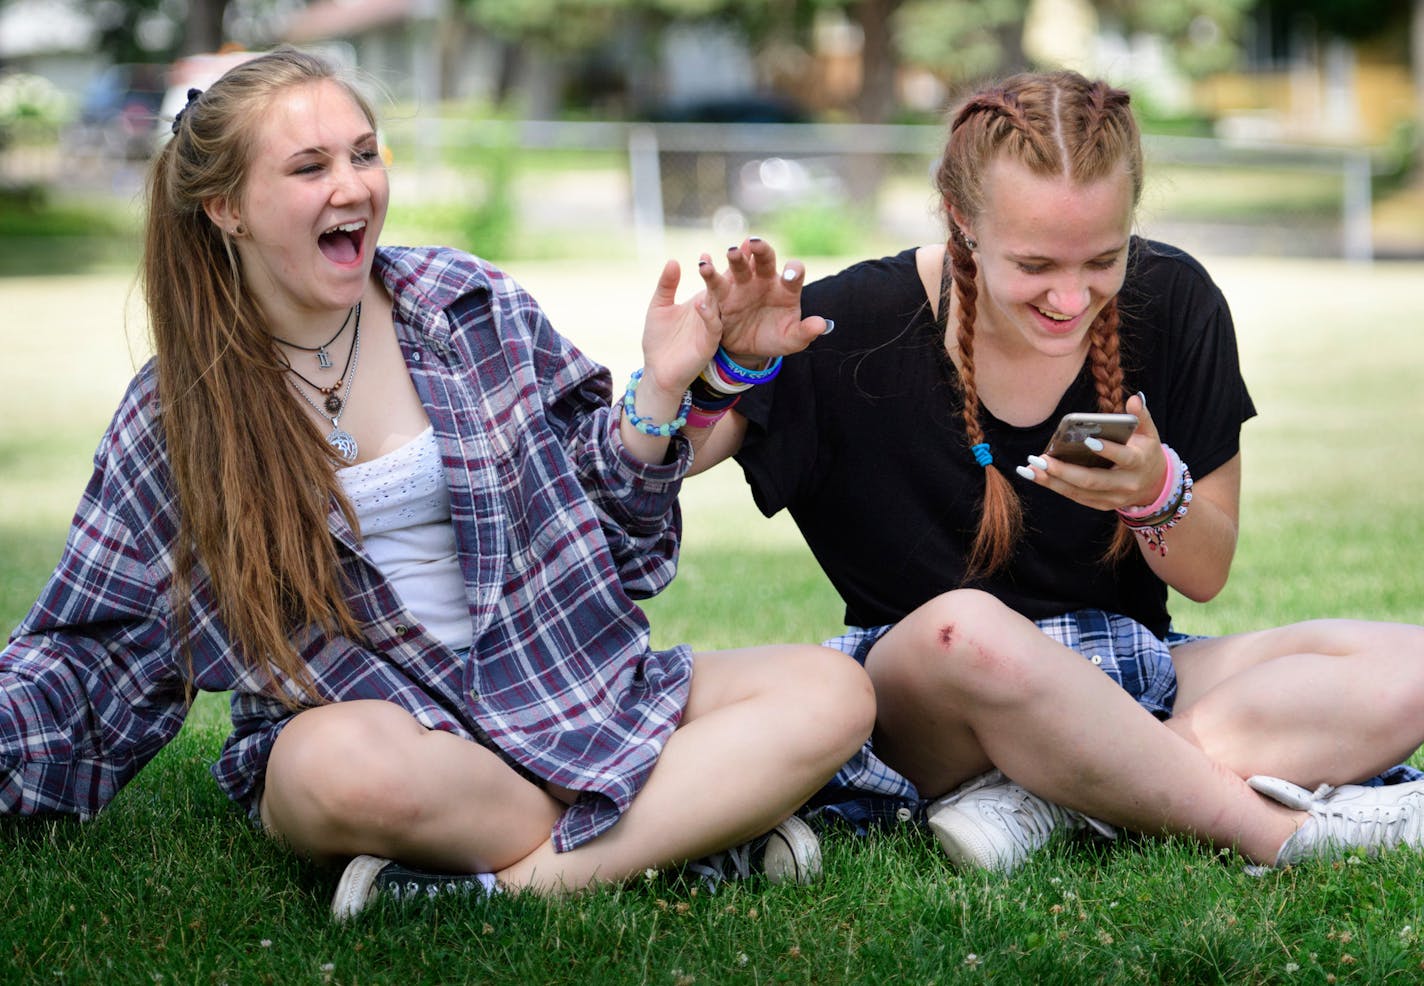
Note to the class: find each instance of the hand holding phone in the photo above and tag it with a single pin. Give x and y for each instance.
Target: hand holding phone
(1067, 443)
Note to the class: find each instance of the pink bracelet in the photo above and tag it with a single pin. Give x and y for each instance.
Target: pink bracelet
(1169, 486)
(698, 418)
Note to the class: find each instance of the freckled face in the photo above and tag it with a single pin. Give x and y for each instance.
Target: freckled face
(313, 205)
(1051, 254)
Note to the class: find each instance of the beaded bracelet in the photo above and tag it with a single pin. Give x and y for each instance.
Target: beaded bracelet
(1154, 534)
(729, 369)
(645, 425)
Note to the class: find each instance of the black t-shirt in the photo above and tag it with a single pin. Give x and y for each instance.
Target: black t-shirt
(861, 438)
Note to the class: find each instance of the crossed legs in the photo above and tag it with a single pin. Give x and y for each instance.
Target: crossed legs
(763, 729)
(964, 683)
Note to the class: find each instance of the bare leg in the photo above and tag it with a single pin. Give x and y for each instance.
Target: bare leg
(366, 777)
(964, 682)
(1326, 701)
(764, 728)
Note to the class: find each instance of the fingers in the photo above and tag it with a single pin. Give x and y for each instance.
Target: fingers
(666, 291)
(763, 256)
(1137, 404)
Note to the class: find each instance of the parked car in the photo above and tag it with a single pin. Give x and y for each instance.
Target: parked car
(117, 112)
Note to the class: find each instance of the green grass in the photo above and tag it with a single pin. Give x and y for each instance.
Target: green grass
(170, 884)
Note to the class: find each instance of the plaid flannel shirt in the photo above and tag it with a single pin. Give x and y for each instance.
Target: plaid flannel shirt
(559, 529)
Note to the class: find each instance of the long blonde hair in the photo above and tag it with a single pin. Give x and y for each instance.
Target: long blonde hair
(1055, 124)
(254, 480)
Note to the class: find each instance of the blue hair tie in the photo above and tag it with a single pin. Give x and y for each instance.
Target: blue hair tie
(982, 454)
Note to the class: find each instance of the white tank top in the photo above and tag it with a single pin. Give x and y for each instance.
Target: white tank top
(403, 505)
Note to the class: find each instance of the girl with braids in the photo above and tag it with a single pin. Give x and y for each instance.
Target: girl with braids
(1011, 607)
(374, 495)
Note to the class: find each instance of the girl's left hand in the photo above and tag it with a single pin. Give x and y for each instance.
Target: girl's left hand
(1134, 479)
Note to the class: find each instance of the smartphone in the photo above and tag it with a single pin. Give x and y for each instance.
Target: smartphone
(1066, 445)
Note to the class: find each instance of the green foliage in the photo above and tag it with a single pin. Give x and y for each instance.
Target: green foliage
(958, 40)
(817, 228)
(1357, 20)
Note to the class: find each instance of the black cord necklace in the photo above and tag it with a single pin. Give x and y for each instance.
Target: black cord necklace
(323, 358)
(333, 401)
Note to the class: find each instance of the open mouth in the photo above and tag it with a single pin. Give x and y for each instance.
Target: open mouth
(342, 244)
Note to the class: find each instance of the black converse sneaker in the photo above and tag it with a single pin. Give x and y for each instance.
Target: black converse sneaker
(367, 877)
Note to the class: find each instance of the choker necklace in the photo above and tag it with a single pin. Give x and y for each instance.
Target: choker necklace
(342, 441)
(323, 358)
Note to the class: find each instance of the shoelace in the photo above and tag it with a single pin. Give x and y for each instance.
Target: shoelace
(713, 869)
(1029, 820)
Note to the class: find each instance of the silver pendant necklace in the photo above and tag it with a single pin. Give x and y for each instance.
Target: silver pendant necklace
(339, 439)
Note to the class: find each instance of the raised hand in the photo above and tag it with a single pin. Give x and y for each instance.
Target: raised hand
(760, 308)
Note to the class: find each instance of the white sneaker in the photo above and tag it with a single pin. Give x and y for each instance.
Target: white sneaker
(1348, 817)
(991, 823)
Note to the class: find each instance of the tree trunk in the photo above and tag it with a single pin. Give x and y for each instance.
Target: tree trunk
(204, 29)
(879, 60)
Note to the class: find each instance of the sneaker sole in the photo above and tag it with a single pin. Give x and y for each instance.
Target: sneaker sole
(355, 889)
(793, 853)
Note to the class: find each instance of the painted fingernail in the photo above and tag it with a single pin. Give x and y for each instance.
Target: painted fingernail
(1143, 398)
(789, 274)
(830, 326)
(1025, 472)
(733, 249)
(1093, 444)
(1038, 461)
(704, 263)
(754, 239)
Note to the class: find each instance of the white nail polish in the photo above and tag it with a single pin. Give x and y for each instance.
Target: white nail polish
(1025, 472)
(830, 326)
(788, 274)
(1093, 444)
(1038, 461)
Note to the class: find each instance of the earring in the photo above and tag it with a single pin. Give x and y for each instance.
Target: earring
(970, 242)
(241, 230)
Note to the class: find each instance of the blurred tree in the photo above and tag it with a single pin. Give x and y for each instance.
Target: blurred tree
(1205, 35)
(157, 30)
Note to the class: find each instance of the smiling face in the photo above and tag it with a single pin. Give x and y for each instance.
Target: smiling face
(1051, 254)
(312, 207)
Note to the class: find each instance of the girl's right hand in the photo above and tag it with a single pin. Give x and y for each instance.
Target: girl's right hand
(760, 309)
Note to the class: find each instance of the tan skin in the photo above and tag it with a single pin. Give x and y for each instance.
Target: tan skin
(763, 728)
(963, 683)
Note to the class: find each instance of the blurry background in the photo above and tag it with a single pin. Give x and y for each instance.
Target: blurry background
(560, 128)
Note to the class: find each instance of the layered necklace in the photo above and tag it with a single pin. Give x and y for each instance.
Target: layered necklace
(333, 403)
(323, 358)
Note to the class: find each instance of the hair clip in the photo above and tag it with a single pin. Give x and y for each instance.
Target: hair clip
(193, 95)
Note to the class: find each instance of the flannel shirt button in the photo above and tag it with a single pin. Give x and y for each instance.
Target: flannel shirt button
(474, 695)
(402, 629)
(903, 814)
(1096, 659)
(415, 356)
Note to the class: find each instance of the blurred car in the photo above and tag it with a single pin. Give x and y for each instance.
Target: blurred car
(117, 111)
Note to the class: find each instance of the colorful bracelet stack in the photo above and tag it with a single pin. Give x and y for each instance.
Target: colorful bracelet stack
(721, 385)
(1153, 521)
(645, 425)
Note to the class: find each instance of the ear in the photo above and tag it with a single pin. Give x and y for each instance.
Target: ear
(223, 214)
(961, 221)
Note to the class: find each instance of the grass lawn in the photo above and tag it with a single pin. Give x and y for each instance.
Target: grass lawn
(169, 884)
